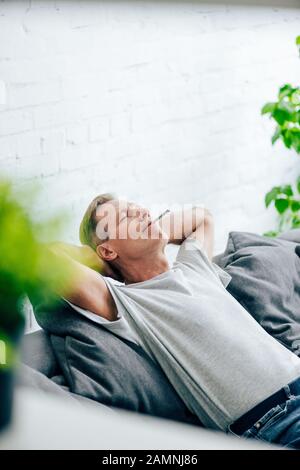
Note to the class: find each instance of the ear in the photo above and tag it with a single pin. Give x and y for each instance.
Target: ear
(105, 252)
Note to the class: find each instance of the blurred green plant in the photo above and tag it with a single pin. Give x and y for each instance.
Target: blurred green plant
(26, 264)
(286, 114)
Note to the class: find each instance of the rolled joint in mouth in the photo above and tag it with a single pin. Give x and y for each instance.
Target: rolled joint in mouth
(157, 218)
(148, 225)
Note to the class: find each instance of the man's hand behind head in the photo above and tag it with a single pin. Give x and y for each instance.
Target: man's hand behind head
(87, 256)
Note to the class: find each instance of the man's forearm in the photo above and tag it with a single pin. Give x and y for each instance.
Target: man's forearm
(86, 256)
(83, 254)
(181, 224)
(71, 268)
(82, 286)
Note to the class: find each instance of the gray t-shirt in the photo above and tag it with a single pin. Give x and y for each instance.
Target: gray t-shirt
(218, 358)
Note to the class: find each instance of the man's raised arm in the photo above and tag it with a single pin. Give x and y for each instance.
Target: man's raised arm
(195, 222)
(84, 286)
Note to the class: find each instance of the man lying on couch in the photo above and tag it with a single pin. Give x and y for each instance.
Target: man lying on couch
(226, 368)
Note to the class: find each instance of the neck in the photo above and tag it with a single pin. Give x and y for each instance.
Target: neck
(144, 269)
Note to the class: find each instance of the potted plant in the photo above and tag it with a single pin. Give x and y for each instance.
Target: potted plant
(25, 267)
(285, 111)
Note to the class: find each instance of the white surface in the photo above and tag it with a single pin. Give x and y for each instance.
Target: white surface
(46, 422)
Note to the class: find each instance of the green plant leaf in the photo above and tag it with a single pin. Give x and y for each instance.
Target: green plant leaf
(268, 108)
(271, 195)
(294, 137)
(271, 233)
(286, 106)
(296, 221)
(295, 97)
(287, 190)
(286, 137)
(281, 116)
(285, 90)
(281, 205)
(276, 135)
(295, 206)
(298, 40)
(298, 184)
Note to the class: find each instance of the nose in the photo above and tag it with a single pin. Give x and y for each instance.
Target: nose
(145, 218)
(140, 213)
(144, 213)
(147, 215)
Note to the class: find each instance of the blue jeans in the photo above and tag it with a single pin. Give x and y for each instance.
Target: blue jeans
(280, 425)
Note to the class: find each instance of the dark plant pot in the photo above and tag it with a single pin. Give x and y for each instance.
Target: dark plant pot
(6, 394)
(9, 348)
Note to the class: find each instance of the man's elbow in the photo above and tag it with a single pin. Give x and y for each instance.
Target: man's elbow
(203, 216)
(208, 217)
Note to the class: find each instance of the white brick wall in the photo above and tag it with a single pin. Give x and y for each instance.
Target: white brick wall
(159, 101)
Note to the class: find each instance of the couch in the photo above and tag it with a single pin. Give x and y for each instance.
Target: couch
(84, 363)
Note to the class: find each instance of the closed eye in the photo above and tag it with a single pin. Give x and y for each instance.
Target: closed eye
(131, 212)
(125, 216)
(128, 216)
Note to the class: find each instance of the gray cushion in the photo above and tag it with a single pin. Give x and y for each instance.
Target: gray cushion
(217, 259)
(37, 352)
(99, 365)
(266, 281)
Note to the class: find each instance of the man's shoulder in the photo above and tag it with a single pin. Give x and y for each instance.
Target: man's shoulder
(193, 259)
(191, 249)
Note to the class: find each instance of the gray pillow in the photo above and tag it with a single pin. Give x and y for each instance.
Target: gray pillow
(266, 281)
(99, 365)
(37, 353)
